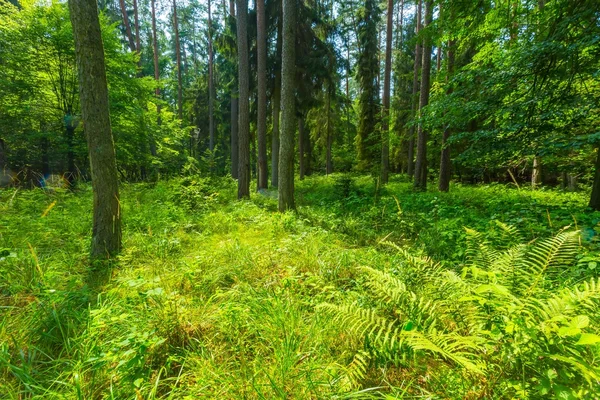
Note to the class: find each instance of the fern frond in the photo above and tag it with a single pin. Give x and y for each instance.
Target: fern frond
(458, 349)
(547, 256)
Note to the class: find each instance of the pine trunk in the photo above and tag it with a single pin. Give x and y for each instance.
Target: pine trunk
(385, 131)
(301, 140)
(420, 179)
(261, 123)
(410, 165)
(444, 181)
(595, 197)
(93, 93)
(127, 26)
(329, 139)
(136, 19)
(288, 102)
(276, 107)
(178, 60)
(211, 84)
(244, 106)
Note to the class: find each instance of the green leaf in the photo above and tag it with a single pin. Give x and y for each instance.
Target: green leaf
(587, 339)
(580, 321)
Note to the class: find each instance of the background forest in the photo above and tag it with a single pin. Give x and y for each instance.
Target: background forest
(435, 165)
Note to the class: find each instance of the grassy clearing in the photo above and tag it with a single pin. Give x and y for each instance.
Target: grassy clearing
(215, 298)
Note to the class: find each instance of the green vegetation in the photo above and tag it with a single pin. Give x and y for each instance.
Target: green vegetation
(216, 298)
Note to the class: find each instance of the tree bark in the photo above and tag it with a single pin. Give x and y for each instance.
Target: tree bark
(276, 106)
(420, 179)
(595, 197)
(127, 26)
(211, 84)
(3, 164)
(536, 173)
(329, 138)
(444, 181)
(244, 106)
(385, 131)
(261, 123)
(301, 140)
(234, 138)
(93, 94)
(178, 60)
(234, 116)
(288, 117)
(136, 19)
(415, 89)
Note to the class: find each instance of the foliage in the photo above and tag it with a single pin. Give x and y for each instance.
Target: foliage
(218, 298)
(513, 316)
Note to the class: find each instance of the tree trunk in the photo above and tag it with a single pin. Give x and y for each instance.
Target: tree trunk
(261, 123)
(288, 117)
(536, 173)
(3, 164)
(234, 138)
(156, 74)
(301, 140)
(211, 84)
(329, 138)
(444, 182)
(93, 94)
(385, 131)
(234, 115)
(178, 60)
(420, 180)
(136, 19)
(127, 26)
(244, 106)
(276, 107)
(595, 197)
(415, 89)
(70, 135)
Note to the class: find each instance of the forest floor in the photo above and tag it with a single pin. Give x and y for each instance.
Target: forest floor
(217, 298)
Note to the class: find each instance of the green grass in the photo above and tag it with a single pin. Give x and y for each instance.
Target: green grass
(216, 298)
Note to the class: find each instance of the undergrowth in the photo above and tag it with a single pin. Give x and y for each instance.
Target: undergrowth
(215, 298)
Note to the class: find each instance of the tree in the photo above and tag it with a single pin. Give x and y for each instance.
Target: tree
(244, 105)
(211, 84)
(415, 89)
(276, 104)
(420, 179)
(93, 93)
(367, 73)
(178, 61)
(385, 139)
(288, 103)
(127, 26)
(234, 108)
(444, 180)
(261, 123)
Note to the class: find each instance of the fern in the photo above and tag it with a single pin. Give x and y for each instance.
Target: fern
(509, 311)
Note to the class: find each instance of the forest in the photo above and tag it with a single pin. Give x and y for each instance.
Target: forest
(299, 199)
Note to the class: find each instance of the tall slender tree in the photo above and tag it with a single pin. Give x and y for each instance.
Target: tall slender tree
(93, 94)
(420, 179)
(385, 130)
(261, 123)
(288, 103)
(178, 61)
(367, 74)
(276, 103)
(211, 83)
(235, 152)
(127, 26)
(410, 164)
(444, 180)
(244, 105)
